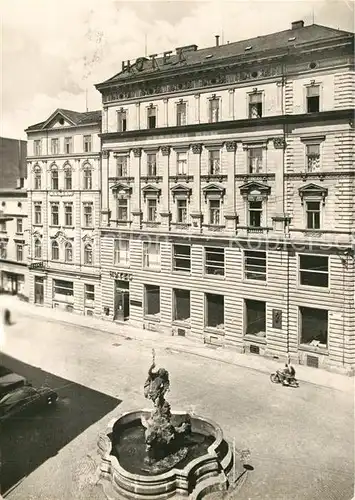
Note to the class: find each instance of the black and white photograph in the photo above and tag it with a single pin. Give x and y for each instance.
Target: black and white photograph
(177, 250)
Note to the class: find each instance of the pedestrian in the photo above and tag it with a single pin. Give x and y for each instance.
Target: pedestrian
(7, 317)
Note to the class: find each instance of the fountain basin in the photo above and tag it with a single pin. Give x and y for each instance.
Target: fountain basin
(203, 470)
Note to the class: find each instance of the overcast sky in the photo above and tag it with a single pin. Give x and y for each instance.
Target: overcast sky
(52, 50)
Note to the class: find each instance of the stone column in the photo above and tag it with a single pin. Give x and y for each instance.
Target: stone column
(230, 203)
(136, 196)
(105, 121)
(166, 113)
(138, 117)
(197, 108)
(196, 214)
(231, 104)
(105, 169)
(165, 195)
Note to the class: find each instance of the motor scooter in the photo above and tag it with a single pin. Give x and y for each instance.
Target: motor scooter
(279, 378)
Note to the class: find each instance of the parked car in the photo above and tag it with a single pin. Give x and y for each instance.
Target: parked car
(10, 381)
(25, 399)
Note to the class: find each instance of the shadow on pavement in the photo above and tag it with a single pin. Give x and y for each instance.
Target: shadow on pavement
(28, 442)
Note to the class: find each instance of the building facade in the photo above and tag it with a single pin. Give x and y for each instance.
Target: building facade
(64, 211)
(228, 195)
(13, 217)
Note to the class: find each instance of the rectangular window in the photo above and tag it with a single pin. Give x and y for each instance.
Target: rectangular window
(38, 214)
(215, 211)
(19, 226)
(255, 320)
(214, 261)
(122, 209)
(68, 214)
(68, 184)
(68, 145)
(63, 288)
(19, 252)
(255, 105)
(3, 250)
(88, 222)
(55, 214)
(3, 226)
(122, 166)
(314, 327)
(121, 121)
(87, 144)
(152, 300)
(314, 270)
(214, 162)
(255, 265)
(214, 110)
(55, 146)
(89, 294)
(152, 210)
(313, 214)
(38, 179)
(152, 117)
(255, 212)
(181, 305)
(182, 258)
(37, 147)
(313, 157)
(181, 163)
(55, 179)
(313, 99)
(181, 114)
(215, 311)
(151, 255)
(121, 252)
(181, 207)
(255, 160)
(151, 164)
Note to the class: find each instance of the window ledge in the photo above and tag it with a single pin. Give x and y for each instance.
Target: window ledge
(314, 349)
(37, 225)
(213, 276)
(153, 269)
(181, 272)
(254, 339)
(314, 288)
(147, 317)
(212, 329)
(118, 264)
(260, 282)
(183, 324)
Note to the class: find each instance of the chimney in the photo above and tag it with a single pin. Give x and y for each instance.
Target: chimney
(297, 24)
(217, 40)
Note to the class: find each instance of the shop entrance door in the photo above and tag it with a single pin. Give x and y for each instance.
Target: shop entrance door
(121, 300)
(39, 290)
(14, 285)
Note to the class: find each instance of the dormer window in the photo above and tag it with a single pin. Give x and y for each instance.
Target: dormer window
(152, 116)
(214, 110)
(255, 105)
(313, 104)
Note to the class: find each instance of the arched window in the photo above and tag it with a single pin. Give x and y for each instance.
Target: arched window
(68, 178)
(88, 254)
(55, 180)
(38, 249)
(68, 252)
(37, 178)
(87, 178)
(55, 250)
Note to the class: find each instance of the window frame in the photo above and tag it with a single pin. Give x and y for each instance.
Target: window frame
(67, 214)
(245, 265)
(214, 100)
(55, 150)
(310, 347)
(37, 147)
(37, 177)
(87, 185)
(68, 247)
(68, 145)
(147, 245)
(209, 263)
(147, 314)
(149, 200)
(87, 139)
(260, 109)
(245, 321)
(122, 167)
(88, 254)
(180, 219)
(88, 217)
(300, 269)
(259, 159)
(180, 162)
(174, 308)
(55, 247)
(152, 109)
(212, 158)
(210, 212)
(117, 251)
(19, 252)
(181, 257)
(37, 211)
(89, 293)
(37, 248)
(151, 165)
(122, 120)
(179, 121)
(68, 178)
(307, 103)
(250, 210)
(19, 225)
(54, 179)
(206, 318)
(314, 213)
(54, 205)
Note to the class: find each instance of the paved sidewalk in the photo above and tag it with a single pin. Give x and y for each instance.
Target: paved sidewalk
(181, 344)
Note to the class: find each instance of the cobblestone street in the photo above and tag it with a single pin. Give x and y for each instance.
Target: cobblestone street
(286, 430)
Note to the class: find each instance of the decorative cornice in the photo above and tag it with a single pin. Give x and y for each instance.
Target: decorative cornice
(312, 190)
(137, 152)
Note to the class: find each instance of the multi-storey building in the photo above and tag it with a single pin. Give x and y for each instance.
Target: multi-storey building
(228, 195)
(13, 217)
(64, 211)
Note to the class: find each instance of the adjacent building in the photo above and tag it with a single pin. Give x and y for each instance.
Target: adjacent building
(227, 202)
(64, 185)
(13, 217)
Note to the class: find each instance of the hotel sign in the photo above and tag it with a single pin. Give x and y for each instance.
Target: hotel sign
(121, 276)
(142, 62)
(36, 265)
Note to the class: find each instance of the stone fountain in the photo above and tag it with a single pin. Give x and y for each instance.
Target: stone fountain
(161, 454)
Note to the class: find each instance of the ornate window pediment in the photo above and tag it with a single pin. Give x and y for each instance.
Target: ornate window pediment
(121, 188)
(87, 239)
(151, 191)
(59, 236)
(37, 235)
(181, 191)
(313, 191)
(213, 191)
(254, 191)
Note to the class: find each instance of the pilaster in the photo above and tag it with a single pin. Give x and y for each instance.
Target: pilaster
(105, 169)
(138, 117)
(231, 104)
(196, 214)
(197, 108)
(165, 207)
(166, 111)
(136, 196)
(230, 200)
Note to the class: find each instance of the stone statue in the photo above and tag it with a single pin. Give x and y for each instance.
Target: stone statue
(160, 433)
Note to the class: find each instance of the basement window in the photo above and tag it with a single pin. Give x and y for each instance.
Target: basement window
(214, 308)
(314, 327)
(255, 318)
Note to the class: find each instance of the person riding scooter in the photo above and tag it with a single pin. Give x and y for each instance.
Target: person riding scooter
(289, 374)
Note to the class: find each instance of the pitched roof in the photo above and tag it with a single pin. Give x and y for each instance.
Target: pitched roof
(75, 117)
(264, 43)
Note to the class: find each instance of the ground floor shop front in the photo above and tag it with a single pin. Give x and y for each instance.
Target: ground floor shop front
(14, 279)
